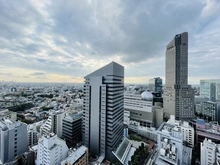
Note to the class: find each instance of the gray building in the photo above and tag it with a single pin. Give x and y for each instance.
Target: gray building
(211, 110)
(13, 139)
(210, 89)
(178, 95)
(103, 110)
(72, 129)
(155, 85)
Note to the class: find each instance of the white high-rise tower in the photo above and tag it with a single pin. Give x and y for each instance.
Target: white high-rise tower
(104, 109)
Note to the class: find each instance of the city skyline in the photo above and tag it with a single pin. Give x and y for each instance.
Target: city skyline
(49, 41)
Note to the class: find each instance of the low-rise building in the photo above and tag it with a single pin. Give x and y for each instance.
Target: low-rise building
(186, 130)
(51, 150)
(209, 152)
(80, 156)
(8, 114)
(209, 130)
(170, 141)
(32, 135)
(211, 110)
(72, 129)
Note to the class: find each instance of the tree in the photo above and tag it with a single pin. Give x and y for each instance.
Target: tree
(200, 115)
(209, 118)
(196, 113)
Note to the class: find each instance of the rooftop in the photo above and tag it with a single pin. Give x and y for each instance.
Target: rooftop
(73, 157)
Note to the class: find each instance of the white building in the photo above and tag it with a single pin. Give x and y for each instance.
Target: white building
(54, 123)
(139, 107)
(170, 145)
(13, 139)
(186, 130)
(208, 152)
(51, 150)
(32, 135)
(187, 133)
(103, 125)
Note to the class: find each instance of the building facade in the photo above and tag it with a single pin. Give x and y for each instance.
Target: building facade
(78, 157)
(187, 131)
(170, 146)
(211, 110)
(54, 123)
(210, 89)
(32, 135)
(13, 139)
(139, 107)
(207, 152)
(72, 129)
(103, 110)
(178, 95)
(155, 85)
(51, 150)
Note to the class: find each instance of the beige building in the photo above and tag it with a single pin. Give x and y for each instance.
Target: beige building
(178, 97)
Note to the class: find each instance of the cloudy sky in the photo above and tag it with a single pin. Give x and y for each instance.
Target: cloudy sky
(63, 41)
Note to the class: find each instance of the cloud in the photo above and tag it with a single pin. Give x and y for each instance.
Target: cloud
(76, 37)
(37, 74)
(6, 74)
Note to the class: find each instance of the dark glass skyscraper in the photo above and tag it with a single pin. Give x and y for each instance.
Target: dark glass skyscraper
(155, 85)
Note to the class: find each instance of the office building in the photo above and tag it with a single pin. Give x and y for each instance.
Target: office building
(198, 103)
(27, 158)
(103, 109)
(51, 150)
(139, 107)
(209, 153)
(211, 111)
(78, 157)
(54, 123)
(210, 89)
(72, 129)
(178, 97)
(155, 85)
(13, 139)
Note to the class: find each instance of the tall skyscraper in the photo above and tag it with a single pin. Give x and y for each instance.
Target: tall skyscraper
(103, 110)
(178, 95)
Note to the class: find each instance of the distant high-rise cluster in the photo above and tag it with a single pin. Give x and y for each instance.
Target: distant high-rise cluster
(178, 95)
(210, 89)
